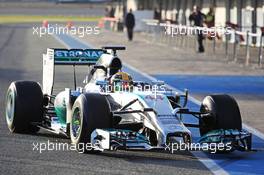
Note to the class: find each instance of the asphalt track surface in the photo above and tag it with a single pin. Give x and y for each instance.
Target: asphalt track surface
(21, 58)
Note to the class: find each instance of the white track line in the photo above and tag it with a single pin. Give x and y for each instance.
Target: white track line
(61, 41)
(253, 131)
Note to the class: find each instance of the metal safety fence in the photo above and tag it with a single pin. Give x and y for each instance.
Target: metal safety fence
(238, 50)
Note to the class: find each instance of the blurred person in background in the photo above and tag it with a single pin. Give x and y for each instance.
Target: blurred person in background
(156, 15)
(112, 12)
(130, 24)
(210, 23)
(197, 18)
(210, 18)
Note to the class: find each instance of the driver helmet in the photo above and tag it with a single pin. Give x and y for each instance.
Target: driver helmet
(121, 81)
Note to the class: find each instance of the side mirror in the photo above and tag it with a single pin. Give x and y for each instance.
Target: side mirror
(179, 96)
(186, 94)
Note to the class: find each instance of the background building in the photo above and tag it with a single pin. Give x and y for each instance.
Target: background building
(247, 14)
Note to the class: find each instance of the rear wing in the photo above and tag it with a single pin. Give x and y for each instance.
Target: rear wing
(73, 57)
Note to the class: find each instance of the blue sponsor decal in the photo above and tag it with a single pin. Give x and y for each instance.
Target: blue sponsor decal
(78, 53)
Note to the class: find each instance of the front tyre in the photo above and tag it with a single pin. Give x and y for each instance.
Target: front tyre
(223, 113)
(24, 105)
(89, 112)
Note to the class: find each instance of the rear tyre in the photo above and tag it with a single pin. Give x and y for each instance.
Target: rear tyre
(24, 105)
(89, 112)
(223, 113)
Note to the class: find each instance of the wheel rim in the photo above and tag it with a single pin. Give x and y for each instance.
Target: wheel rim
(76, 123)
(10, 107)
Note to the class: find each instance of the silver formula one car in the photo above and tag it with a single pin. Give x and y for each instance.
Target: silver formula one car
(113, 111)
